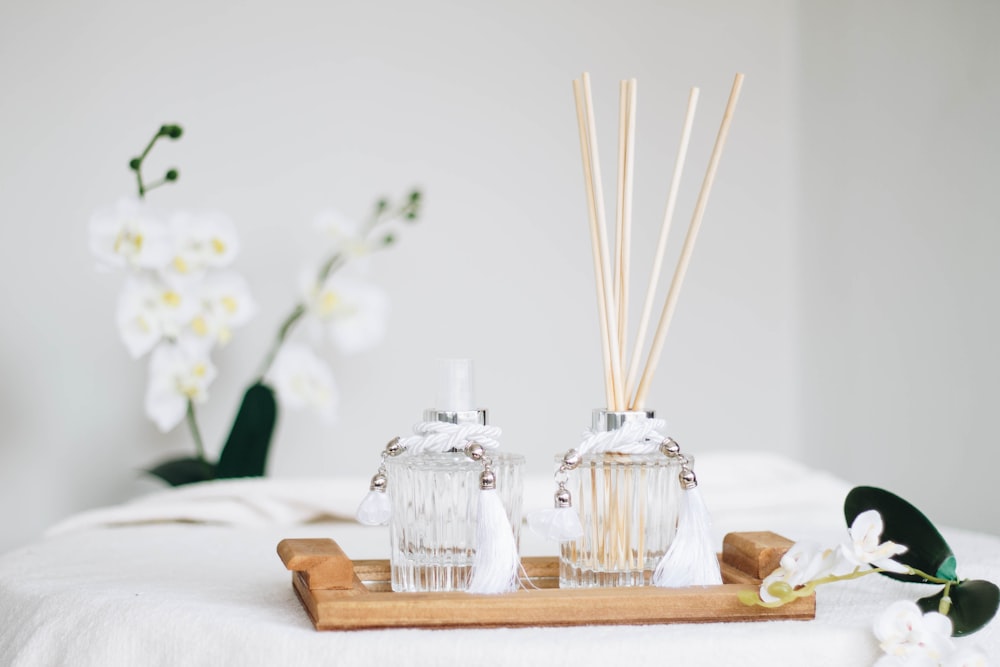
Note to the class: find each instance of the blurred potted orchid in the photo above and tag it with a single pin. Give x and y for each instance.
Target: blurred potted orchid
(181, 300)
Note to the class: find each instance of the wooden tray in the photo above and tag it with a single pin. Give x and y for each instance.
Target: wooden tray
(341, 594)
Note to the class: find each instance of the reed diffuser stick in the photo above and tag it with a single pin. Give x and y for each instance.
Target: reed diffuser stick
(629, 169)
(588, 178)
(689, 241)
(618, 390)
(620, 217)
(661, 245)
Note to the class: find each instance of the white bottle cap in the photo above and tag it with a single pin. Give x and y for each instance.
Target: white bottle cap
(456, 391)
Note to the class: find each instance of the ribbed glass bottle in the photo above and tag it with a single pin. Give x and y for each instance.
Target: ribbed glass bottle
(628, 505)
(435, 499)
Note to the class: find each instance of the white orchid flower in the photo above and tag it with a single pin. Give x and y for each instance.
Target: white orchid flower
(202, 241)
(224, 303)
(904, 631)
(346, 234)
(303, 380)
(129, 234)
(150, 310)
(802, 563)
(865, 549)
(178, 372)
(353, 313)
(967, 657)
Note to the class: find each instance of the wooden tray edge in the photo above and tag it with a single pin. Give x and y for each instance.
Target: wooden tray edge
(329, 586)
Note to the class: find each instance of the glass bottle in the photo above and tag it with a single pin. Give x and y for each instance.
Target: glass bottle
(628, 506)
(435, 499)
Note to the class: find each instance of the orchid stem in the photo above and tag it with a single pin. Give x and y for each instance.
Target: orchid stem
(945, 605)
(283, 331)
(933, 580)
(333, 263)
(192, 422)
(138, 167)
(155, 184)
(810, 586)
(171, 131)
(329, 266)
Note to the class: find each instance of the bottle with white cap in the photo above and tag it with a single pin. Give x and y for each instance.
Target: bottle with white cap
(449, 488)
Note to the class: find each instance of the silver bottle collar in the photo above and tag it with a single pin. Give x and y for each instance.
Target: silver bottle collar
(460, 417)
(603, 420)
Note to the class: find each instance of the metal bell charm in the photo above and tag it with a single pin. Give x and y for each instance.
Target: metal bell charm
(572, 459)
(475, 451)
(394, 447)
(670, 448)
(687, 477)
(379, 482)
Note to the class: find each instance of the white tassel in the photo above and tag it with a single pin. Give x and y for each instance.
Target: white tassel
(374, 509)
(496, 564)
(560, 524)
(691, 559)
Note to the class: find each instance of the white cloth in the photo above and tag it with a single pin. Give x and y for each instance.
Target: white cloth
(152, 591)
(234, 502)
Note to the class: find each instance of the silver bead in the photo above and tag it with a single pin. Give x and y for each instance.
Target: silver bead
(563, 498)
(687, 478)
(393, 447)
(379, 482)
(474, 451)
(572, 459)
(669, 447)
(487, 480)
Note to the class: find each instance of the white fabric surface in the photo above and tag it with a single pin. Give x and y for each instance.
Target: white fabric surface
(211, 590)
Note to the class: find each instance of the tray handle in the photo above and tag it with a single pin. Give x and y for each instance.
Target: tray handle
(320, 562)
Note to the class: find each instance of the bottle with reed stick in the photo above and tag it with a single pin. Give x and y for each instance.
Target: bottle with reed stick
(451, 498)
(626, 493)
(627, 508)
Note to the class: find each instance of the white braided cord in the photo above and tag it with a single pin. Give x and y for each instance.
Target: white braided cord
(640, 436)
(444, 436)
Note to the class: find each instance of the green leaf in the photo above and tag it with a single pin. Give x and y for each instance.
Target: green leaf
(948, 569)
(188, 470)
(974, 603)
(245, 452)
(904, 524)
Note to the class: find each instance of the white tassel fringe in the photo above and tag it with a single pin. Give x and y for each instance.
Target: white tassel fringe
(560, 525)
(374, 509)
(496, 564)
(691, 559)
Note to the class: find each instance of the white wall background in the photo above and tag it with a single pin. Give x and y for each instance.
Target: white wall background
(898, 231)
(840, 308)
